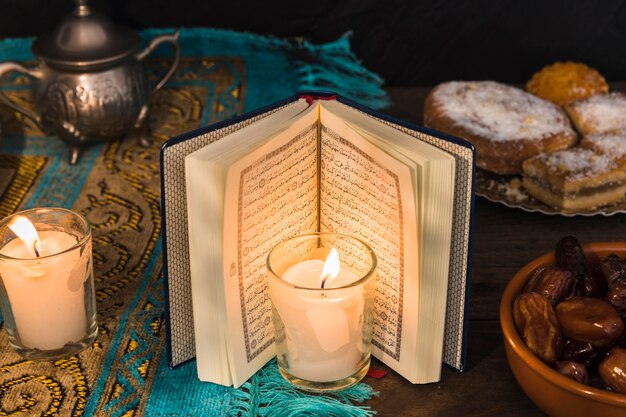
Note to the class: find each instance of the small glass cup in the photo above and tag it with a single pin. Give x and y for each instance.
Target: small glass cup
(322, 323)
(47, 292)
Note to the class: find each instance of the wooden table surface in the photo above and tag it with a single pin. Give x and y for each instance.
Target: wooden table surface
(504, 239)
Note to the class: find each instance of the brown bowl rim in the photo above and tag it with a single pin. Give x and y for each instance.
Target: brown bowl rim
(513, 288)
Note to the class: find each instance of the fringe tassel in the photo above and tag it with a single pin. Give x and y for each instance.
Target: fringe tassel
(267, 394)
(328, 67)
(334, 67)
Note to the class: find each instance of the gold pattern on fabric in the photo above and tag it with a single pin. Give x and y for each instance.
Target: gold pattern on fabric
(18, 173)
(121, 199)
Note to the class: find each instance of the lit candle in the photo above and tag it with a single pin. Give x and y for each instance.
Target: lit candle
(324, 329)
(43, 278)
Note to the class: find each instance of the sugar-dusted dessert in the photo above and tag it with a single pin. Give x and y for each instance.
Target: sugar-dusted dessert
(599, 114)
(575, 179)
(563, 82)
(506, 124)
(612, 144)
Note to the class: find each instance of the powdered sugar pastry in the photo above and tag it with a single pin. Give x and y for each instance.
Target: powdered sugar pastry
(500, 112)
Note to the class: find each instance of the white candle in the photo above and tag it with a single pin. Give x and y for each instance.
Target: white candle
(324, 329)
(47, 293)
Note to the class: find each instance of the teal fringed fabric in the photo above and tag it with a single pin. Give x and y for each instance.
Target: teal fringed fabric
(327, 67)
(267, 394)
(178, 393)
(333, 66)
(138, 382)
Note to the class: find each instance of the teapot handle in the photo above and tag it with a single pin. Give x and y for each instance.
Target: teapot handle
(154, 43)
(9, 66)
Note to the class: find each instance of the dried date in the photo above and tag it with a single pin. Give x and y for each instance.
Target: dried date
(613, 268)
(594, 282)
(553, 282)
(572, 370)
(590, 320)
(581, 352)
(538, 326)
(617, 296)
(570, 255)
(612, 369)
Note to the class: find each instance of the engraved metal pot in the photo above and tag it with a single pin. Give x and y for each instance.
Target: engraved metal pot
(89, 81)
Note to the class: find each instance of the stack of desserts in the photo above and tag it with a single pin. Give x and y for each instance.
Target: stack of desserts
(530, 133)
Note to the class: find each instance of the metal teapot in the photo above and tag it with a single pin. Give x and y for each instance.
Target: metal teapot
(89, 83)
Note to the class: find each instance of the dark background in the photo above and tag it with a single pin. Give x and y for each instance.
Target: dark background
(418, 42)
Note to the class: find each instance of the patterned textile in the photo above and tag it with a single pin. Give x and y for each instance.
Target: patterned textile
(116, 186)
(17, 175)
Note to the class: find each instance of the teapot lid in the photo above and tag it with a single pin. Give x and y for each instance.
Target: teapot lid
(86, 38)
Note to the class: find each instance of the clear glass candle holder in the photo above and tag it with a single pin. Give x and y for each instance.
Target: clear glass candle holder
(322, 320)
(47, 293)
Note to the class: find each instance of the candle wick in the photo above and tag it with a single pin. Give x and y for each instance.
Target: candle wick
(35, 249)
(324, 280)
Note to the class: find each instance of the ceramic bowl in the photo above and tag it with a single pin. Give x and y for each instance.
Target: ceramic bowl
(553, 393)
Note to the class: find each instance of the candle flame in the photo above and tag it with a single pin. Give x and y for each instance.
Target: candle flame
(26, 232)
(331, 267)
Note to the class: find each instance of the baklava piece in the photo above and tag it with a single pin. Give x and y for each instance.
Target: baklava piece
(612, 144)
(599, 114)
(574, 179)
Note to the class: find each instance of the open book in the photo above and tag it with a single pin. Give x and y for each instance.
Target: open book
(320, 163)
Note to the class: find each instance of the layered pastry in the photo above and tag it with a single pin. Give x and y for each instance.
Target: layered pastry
(506, 124)
(574, 179)
(599, 114)
(563, 82)
(612, 144)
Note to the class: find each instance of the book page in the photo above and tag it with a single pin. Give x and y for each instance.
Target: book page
(435, 170)
(367, 193)
(206, 163)
(271, 194)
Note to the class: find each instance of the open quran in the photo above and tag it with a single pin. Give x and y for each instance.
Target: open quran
(315, 163)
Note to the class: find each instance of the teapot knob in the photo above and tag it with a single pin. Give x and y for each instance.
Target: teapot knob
(82, 9)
